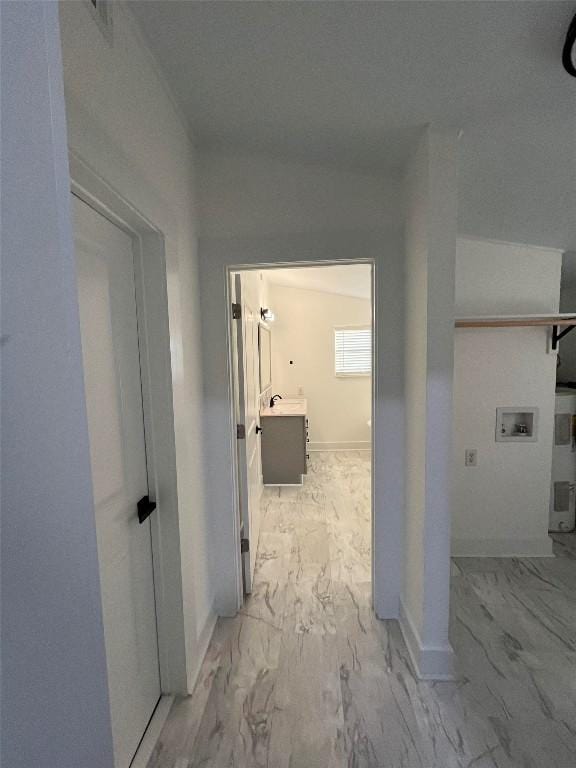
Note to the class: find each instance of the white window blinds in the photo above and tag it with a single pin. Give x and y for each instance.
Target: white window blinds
(353, 351)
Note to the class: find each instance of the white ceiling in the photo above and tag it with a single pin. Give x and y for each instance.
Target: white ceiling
(346, 280)
(351, 84)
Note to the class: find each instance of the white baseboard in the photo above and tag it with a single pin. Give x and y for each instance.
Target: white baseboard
(203, 643)
(540, 547)
(354, 445)
(283, 485)
(430, 662)
(150, 738)
(154, 728)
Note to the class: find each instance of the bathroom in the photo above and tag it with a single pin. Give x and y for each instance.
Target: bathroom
(305, 400)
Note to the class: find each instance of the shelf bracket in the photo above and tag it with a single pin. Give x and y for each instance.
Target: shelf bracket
(556, 336)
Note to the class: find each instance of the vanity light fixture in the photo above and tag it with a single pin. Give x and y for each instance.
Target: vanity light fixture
(267, 315)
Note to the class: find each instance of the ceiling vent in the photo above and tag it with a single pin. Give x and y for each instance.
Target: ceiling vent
(102, 13)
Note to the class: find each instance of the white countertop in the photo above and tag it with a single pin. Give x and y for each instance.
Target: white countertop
(287, 407)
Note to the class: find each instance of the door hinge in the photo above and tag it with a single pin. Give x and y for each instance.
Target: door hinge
(240, 432)
(236, 311)
(244, 545)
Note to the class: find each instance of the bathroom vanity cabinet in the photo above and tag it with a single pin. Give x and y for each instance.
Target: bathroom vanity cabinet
(284, 442)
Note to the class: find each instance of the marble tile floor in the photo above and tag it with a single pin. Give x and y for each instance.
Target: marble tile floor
(306, 677)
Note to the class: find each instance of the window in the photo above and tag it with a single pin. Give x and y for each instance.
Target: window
(353, 351)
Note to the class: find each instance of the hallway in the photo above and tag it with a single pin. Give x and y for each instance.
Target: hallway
(270, 692)
(306, 677)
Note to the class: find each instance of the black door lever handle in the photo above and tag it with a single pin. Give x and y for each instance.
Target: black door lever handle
(145, 508)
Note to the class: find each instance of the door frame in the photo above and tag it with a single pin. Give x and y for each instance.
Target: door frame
(230, 270)
(238, 394)
(156, 372)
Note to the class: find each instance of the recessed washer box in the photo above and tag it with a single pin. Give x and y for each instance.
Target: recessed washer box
(516, 425)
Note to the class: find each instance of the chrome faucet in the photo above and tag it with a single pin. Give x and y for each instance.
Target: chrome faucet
(273, 400)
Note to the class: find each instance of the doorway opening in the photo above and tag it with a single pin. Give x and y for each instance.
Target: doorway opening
(302, 362)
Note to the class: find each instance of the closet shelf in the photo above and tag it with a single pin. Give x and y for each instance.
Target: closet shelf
(567, 321)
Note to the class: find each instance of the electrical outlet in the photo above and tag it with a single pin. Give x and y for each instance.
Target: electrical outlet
(470, 457)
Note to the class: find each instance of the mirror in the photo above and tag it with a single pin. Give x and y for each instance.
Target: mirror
(265, 353)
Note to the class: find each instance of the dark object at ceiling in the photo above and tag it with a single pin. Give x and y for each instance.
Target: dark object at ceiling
(568, 52)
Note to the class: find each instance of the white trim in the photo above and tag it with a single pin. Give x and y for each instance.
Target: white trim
(204, 640)
(152, 732)
(234, 606)
(283, 485)
(350, 445)
(429, 662)
(540, 547)
(229, 270)
(152, 304)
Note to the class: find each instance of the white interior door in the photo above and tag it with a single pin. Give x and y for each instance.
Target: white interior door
(106, 290)
(248, 406)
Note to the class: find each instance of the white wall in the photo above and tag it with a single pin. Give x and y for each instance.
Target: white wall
(123, 123)
(501, 506)
(338, 407)
(416, 308)
(265, 210)
(494, 278)
(430, 190)
(54, 687)
(280, 196)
